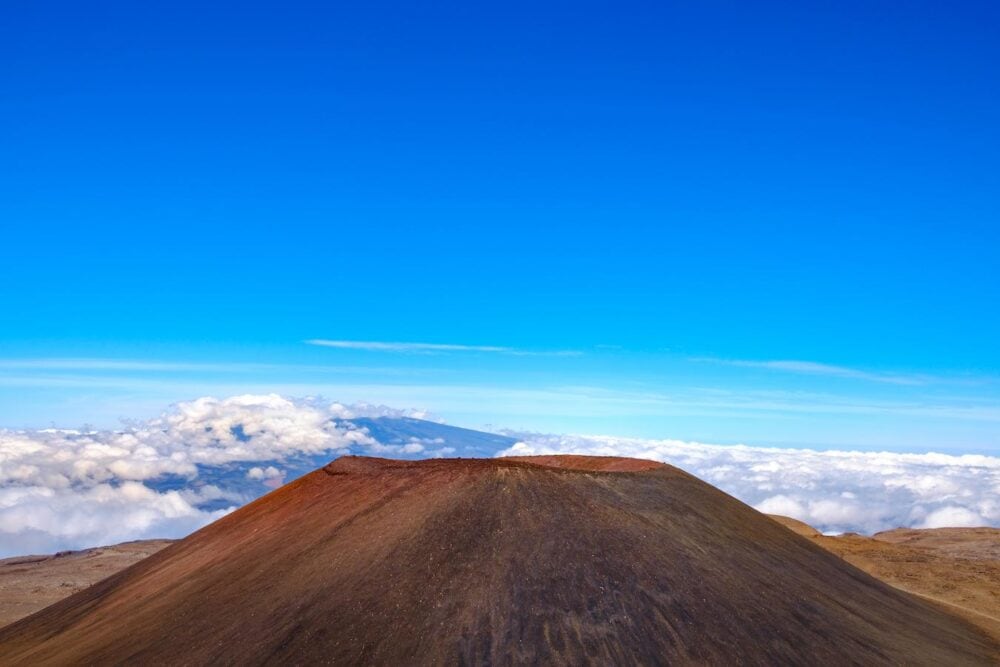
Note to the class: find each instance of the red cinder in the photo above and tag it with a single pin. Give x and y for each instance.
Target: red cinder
(540, 560)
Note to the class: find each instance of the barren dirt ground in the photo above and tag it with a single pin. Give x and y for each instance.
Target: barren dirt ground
(29, 583)
(959, 568)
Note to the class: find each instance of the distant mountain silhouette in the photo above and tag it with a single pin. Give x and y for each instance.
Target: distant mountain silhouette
(541, 560)
(403, 430)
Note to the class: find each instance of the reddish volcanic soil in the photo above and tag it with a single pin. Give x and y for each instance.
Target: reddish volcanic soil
(546, 560)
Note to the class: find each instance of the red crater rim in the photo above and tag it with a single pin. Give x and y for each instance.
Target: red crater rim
(566, 462)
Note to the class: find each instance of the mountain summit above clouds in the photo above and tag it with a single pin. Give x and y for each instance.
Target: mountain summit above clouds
(558, 560)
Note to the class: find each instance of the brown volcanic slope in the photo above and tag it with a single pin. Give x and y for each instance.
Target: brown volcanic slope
(546, 560)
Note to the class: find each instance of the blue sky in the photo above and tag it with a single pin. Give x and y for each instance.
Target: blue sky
(773, 224)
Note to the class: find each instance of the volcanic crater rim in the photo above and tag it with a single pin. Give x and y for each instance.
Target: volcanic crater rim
(562, 463)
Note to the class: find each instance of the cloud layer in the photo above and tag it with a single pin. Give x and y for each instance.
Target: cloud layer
(168, 476)
(835, 491)
(62, 489)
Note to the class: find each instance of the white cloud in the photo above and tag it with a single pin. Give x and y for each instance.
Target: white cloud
(356, 410)
(953, 516)
(817, 368)
(835, 491)
(251, 427)
(37, 519)
(783, 505)
(167, 476)
(270, 472)
(393, 346)
(63, 489)
(63, 363)
(206, 431)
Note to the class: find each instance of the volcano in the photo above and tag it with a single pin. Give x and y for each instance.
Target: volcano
(551, 560)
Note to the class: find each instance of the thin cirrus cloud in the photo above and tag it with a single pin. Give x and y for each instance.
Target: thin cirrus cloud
(98, 364)
(47, 365)
(817, 368)
(404, 347)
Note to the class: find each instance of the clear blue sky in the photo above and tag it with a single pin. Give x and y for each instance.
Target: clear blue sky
(680, 192)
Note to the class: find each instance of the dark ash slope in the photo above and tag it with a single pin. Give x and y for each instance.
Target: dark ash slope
(555, 560)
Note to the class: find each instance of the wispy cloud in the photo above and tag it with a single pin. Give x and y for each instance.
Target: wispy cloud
(817, 368)
(71, 365)
(98, 364)
(568, 401)
(395, 346)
